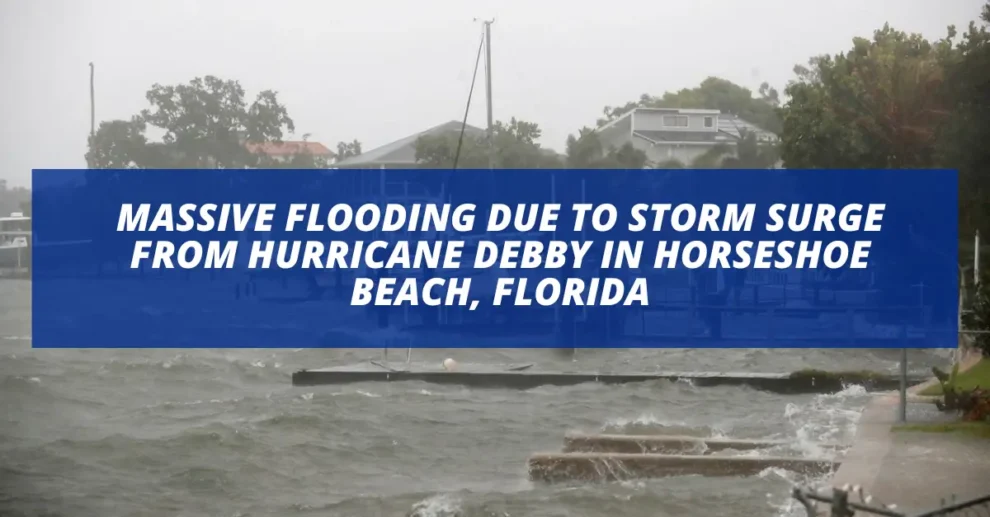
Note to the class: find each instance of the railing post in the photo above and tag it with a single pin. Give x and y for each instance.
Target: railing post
(840, 503)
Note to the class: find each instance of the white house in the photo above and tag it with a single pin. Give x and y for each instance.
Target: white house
(666, 134)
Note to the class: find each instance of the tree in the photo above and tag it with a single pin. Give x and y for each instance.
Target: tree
(17, 199)
(876, 106)
(516, 147)
(963, 139)
(347, 149)
(751, 154)
(586, 151)
(208, 120)
(205, 123)
(713, 93)
(118, 144)
(899, 101)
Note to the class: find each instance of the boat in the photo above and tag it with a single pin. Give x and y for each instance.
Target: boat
(14, 233)
(17, 240)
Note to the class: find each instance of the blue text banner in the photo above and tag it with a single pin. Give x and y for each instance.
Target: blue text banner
(505, 258)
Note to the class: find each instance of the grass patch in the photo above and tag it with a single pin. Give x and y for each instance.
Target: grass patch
(978, 375)
(977, 429)
(850, 376)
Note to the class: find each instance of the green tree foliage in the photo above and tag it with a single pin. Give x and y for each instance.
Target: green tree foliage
(347, 149)
(979, 315)
(119, 144)
(963, 140)
(14, 199)
(516, 147)
(899, 101)
(748, 153)
(751, 154)
(586, 151)
(205, 123)
(876, 106)
(713, 93)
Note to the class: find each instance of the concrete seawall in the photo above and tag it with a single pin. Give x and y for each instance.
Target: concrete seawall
(505, 377)
(650, 444)
(915, 470)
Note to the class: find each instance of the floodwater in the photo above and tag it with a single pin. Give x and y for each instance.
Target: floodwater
(223, 433)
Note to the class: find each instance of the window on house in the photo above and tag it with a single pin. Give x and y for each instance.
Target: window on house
(675, 120)
(709, 121)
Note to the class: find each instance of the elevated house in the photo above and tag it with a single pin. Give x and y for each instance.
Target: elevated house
(680, 134)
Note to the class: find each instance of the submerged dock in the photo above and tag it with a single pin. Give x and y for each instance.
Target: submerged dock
(611, 457)
(525, 377)
(595, 466)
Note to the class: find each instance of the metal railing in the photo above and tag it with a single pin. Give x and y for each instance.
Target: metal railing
(853, 501)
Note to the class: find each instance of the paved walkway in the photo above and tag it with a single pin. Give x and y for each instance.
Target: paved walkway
(914, 470)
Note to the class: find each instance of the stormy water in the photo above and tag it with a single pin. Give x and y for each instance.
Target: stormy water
(223, 433)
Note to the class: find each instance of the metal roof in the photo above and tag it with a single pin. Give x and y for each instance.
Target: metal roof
(403, 151)
(734, 126)
(679, 136)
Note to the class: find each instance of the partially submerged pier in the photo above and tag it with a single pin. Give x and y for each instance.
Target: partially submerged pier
(597, 458)
(594, 466)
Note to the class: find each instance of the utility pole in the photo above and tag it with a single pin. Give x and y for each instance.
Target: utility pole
(92, 100)
(488, 91)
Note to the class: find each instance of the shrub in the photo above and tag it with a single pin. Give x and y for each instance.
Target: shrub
(976, 406)
(950, 394)
(979, 317)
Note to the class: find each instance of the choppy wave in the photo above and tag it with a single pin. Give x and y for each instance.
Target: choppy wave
(206, 432)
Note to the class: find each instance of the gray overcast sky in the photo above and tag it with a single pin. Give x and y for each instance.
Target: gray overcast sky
(379, 70)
